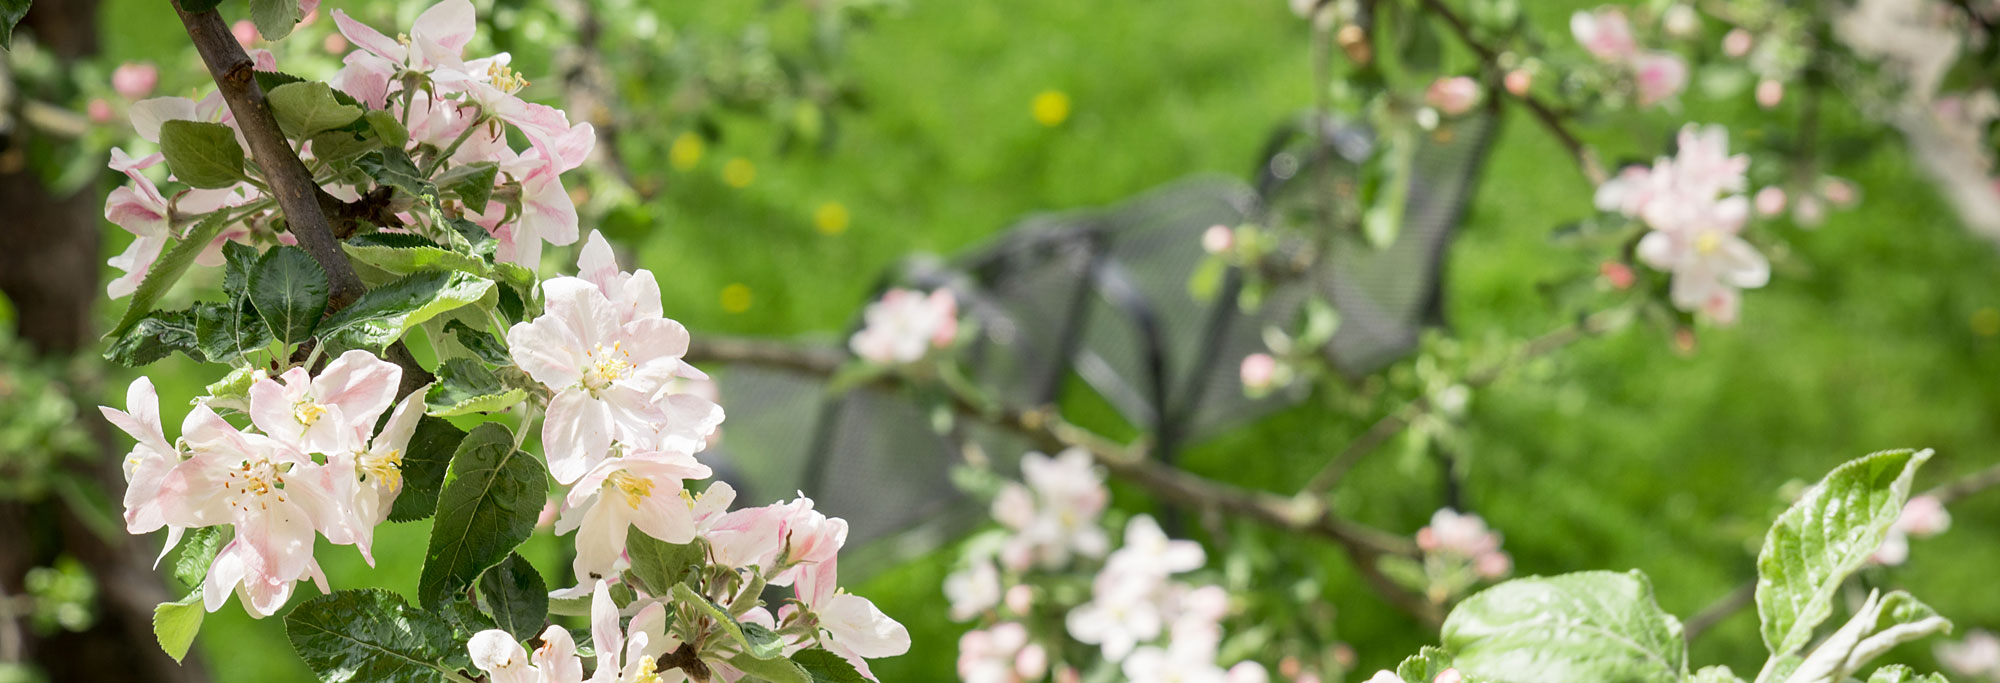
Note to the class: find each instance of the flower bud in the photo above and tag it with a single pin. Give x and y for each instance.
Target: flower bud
(1259, 371)
(245, 32)
(99, 111)
(1680, 21)
(135, 80)
(1737, 43)
(1518, 81)
(1770, 92)
(1770, 201)
(1218, 239)
(1020, 599)
(1619, 275)
(1453, 95)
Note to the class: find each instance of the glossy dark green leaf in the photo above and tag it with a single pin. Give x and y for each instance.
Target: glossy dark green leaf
(197, 551)
(465, 386)
(274, 18)
(483, 345)
(827, 667)
(202, 154)
(11, 12)
(166, 271)
(387, 129)
(372, 636)
(393, 167)
(425, 462)
(309, 107)
(517, 597)
(660, 564)
(386, 313)
(491, 497)
(289, 290)
(155, 336)
(473, 183)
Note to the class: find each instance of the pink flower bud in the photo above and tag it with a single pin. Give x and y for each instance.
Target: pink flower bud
(1838, 191)
(99, 110)
(1660, 75)
(1068, 674)
(1737, 43)
(1020, 599)
(1032, 662)
(1343, 654)
(1218, 239)
(1808, 212)
(1770, 92)
(1605, 33)
(1289, 667)
(1259, 370)
(1449, 676)
(1924, 516)
(1770, 201)
(334, 44)
(1453, 95)
(245, 32)
(549, 512)
(1518, 81)
(1493, 565)
(1618, 274)
(1684, 341)
(135, 80)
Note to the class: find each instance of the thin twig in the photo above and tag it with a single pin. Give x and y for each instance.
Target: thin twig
(1713, 614)
(1543, 113)
(1046, 429)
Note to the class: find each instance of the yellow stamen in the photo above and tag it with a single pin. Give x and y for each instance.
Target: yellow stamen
(648, 670)
(308, 413)
(1708, 242)
(386, 468)
(636, 489)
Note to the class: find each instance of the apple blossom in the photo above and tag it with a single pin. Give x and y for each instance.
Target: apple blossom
(1708, 259)
(639, 489)
(1001, 654)
(973, 590)
(376, 474)
(1605, 32)
(1518, 81)
(1737, 43)
(141, 210)
(1466, 537)
(1453, 95)
(849, 625)
(1978, 656)
(1055, 514)
(151, 459)
(134, 80)
(1770, 201)
(904, 325)
(1259, 372)
(606, 376)
(1770, 92)
(1660, 75)
(1385, 677)
(1218, 239)
(332, 413)
(1922, 517)
(1680, 21)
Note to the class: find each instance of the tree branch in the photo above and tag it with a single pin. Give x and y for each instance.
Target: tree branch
(1543, 113)
(299, 196)
(1047, 430)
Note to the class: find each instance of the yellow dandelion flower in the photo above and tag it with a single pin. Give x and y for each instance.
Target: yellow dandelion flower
(739, 173)
(1051, 108)
(736, 298)
(830, 218)
(686, 151)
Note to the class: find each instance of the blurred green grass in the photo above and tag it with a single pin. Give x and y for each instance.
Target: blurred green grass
(1617, 454)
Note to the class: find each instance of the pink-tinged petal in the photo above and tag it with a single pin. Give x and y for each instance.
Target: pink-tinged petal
(144, 509)
(366, 38)
(861, 627)
(596, 264)
(147, 115)
(141, 417)
(548, 351)
(326, 495)
(136, 261)
(604, 631)
(224, 573)
(504, 660)
(274, 406)
(360, 384)
(124, 163)
(653, 340)
(402, 425)
(556, 658)
(1741, 265)
(202, 427)
(450, 24)
(1658, 249)
(584, 311)
(576, 434)
(638, 297)
(366, 77)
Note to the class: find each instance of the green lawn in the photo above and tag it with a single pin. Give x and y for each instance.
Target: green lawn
(1618, 454)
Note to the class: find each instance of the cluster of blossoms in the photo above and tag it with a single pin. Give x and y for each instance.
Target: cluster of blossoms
(1693, 208)
(905, 325)
(452, 109)
(1464, 537)
(1977, 657)
(1150, 626)
(1607, 34)
(1922, 517)
(266, 483)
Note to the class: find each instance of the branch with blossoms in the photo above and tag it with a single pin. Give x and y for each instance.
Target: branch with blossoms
(387, 203)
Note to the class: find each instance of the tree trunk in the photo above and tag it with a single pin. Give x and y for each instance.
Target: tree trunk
(50, 257)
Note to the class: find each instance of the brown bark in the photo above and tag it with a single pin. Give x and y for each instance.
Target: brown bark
(50, 256)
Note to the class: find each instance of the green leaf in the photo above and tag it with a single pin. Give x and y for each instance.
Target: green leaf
(387, 129)
(268, 81)
(754, 643)
(488, 349)
(411, 259)
(659, 564)
(1824, 537)
(1424, 666)
(386, 313)
(306, 108)
(1879, 625)
(776, 670)
(176, 623)
(514, 593)
(372, 636)
(11, 12)
(166, 271)
(394, 168)
(1897, 673)
(827, 667)
(289, 290)
(1587, 627)
(425, 461)
(491, 497)
(465, 617)
(156, 335)
(465, 387)
(473, 183)
(238, 260)
(1714, 674)
(226, 332)
(202, 154)
(341, 146)
(198, 549)
(274, 18)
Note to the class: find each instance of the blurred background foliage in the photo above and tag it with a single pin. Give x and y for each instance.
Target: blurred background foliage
(777, 156)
